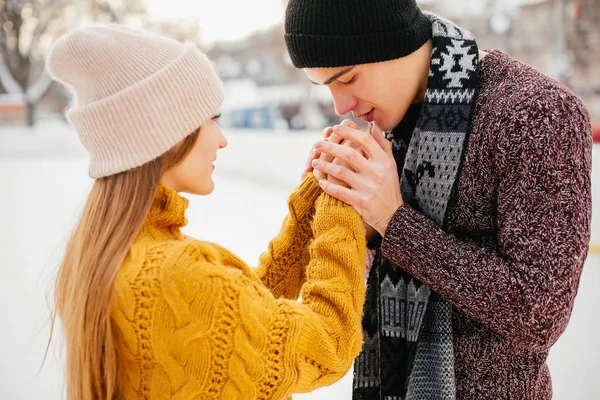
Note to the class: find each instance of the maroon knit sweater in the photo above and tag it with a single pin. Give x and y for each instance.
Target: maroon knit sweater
(519, 232)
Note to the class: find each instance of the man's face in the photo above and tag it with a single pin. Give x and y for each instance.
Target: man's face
(380, 92)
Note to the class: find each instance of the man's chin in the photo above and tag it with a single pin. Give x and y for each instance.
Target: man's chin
(384, 126)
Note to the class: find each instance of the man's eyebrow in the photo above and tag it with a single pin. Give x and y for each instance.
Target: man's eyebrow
(335, 76)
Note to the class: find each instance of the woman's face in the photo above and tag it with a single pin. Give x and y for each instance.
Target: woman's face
(194, 173)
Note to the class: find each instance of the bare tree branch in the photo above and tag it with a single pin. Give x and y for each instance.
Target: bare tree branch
(108, 9)
(7, 80)
(27, 26)
(44, 22)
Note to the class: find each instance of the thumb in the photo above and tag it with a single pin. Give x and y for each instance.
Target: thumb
(377, 134)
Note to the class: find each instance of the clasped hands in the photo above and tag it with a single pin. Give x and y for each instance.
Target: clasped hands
(359, 169)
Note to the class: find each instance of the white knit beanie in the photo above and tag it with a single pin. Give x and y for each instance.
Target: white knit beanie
(136, 94)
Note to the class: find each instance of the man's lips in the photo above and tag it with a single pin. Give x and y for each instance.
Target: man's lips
(368, 117)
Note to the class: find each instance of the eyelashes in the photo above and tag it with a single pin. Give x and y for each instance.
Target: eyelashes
(216, 117)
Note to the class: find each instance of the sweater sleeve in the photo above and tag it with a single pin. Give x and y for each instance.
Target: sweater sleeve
(526, 288)
(242, 341)
(282, 268)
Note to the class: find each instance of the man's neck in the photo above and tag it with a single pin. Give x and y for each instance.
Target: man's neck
(425, 51)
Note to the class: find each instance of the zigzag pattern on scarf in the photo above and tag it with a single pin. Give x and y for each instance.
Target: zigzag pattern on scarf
(443, 97)
(414, 324)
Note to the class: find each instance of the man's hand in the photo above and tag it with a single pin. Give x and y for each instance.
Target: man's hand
(315, 153)
(335, 138)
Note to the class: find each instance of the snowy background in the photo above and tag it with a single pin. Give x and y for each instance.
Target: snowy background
(43, 181)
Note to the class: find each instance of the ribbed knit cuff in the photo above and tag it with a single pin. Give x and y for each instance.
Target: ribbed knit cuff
(406, 240)
(330, 212)
(302, 199)
(326, 201)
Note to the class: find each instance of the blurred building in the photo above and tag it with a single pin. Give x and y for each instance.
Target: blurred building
(264, 90)
(561, 38)
(12, 106)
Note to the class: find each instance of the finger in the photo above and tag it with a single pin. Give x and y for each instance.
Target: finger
(340, 172)
(326, 157)
(307, 168)
(327, 131)
(363, 139)
(351, 145)
(377, 134)
(323, 156)
(313, 154)
(350, 124)
(335, 138)
(346, 153)
(335, 180)
(313, 150)
(348, 196)
(316, 153)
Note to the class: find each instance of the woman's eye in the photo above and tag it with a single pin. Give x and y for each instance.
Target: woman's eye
(349, 82)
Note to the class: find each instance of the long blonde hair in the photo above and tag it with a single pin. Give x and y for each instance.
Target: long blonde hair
(113, 215)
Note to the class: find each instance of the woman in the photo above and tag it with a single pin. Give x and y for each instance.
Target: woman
(151, 313)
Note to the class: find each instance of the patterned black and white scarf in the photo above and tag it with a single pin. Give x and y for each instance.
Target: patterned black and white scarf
(408, 346)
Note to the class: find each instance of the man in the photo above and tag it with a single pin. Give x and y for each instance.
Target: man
(481, 197)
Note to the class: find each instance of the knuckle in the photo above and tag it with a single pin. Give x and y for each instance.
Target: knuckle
(335, 138)
(354, 145)
(361, 202)
(353, 156)
(378, 179)
(362, 139)
(371, 190)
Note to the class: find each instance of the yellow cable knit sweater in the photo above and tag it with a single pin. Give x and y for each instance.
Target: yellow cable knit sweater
(192, 321)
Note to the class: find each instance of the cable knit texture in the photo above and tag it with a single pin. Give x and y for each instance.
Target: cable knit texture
(518, 232)
(193, 321)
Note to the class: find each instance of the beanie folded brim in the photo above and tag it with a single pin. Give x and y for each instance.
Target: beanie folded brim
(322, 51)
(171, 104)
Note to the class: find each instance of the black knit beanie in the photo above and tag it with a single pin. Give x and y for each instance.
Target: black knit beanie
(340, 33)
